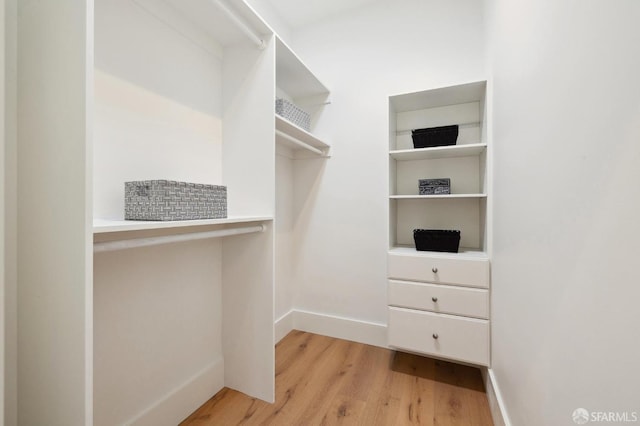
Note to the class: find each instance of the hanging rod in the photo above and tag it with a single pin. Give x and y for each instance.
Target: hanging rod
(299, 142)
(240, 23)
(166, 239)
(468, 125)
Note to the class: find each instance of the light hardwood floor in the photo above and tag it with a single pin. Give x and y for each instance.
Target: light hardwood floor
(325, 381)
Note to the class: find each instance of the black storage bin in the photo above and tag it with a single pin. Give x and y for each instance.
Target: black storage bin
(435, 136)
(436, 240)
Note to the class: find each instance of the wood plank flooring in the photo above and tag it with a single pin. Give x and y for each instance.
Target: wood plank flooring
(325, 381)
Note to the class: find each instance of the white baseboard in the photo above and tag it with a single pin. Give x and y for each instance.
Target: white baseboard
(283, 326)
(342, 328)
(496, 403)
(185, 399)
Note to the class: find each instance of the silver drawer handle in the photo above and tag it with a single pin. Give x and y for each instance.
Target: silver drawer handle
(435, 299)
(434, 270)
(435, 336)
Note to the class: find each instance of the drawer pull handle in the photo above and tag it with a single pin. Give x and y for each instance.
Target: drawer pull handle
(434, 270)
(435, 336)
(435, 299)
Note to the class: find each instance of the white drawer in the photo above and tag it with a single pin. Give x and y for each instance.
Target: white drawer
(439, 269)
(440, 335)
(471, 302)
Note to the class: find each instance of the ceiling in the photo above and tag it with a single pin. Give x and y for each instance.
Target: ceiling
(298, 13)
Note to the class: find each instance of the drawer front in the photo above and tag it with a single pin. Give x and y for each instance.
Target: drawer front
(439, 270)
(470, 302)
(440, 335)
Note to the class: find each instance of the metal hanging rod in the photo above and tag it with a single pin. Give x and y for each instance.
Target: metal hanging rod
(299, 142)
(167, 239)
(468, 125)
(240, 23)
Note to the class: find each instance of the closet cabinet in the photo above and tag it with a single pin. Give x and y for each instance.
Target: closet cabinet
(439, 302)
(146, 89)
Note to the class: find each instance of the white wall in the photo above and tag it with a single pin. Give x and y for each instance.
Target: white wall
(2, 213)
(341, 203)
(10, 215)
(566, 126)
(158, 311)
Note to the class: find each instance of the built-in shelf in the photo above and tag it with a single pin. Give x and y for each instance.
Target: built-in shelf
(442, 96)
(464, 163)
(421, 197)
(207, 23)
(470, 150)
(101, 226)
(296, 138)
(293, 76)
(463, 252)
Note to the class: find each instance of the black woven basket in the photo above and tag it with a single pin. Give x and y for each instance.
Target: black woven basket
(436, 240)
(434, 136)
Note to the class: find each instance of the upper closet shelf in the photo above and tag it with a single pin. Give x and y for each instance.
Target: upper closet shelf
(442, 96)
(210, 24)
(294, 137)
(101, 226)
(294, 77)
(470, 150)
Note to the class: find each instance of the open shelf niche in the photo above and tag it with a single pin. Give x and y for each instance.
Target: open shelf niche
(465, 163)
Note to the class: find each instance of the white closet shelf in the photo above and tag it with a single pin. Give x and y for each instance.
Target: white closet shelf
(293, 76)
(441, 96)
(470, 150)
(421, 197)
(210, 24)
(463, 252)
(297, 138)
(102, 226)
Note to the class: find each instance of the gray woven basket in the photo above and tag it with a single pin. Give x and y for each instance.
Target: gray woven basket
(438, 186)
(171, 200)
(293, 113)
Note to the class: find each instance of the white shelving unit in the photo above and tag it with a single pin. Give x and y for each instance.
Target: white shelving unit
(439, 302)
(296, 83)
(200, 109)
(300, 158)
(464, 163)
(189, 124)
